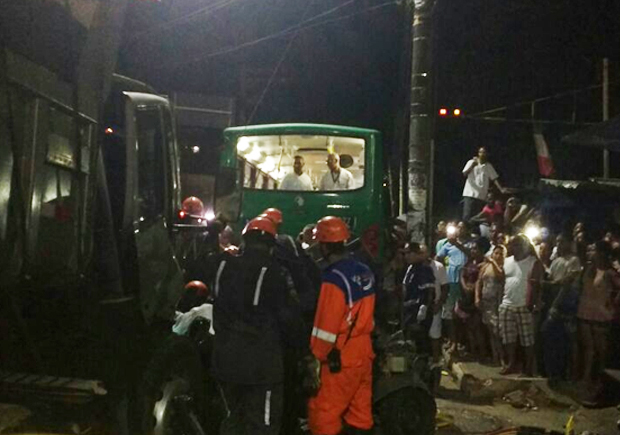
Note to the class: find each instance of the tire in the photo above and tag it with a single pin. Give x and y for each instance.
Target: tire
(408, 411)
(175, 369)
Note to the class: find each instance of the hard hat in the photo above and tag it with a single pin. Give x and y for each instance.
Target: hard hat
(192, 206)
(274, 214)
(198, 286)
(261, 223)
(331, 229)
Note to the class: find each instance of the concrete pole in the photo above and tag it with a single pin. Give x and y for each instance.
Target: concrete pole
(420, 122)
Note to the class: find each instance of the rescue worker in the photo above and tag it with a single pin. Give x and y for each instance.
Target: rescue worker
(193, 206)
(253, 320)
(304, 271)
(341, 337)
(306, 277)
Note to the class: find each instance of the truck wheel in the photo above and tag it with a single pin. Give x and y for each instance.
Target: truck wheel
(175, 370)
(409, 411)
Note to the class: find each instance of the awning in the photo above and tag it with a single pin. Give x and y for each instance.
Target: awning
(603, 135)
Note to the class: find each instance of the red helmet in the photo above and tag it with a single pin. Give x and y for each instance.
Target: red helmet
(331, 229)
(198, 286)
(261, 223)
(274, 214)
(192, 206)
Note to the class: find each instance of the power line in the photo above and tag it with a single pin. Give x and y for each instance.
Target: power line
(538, 100)
(277, 68)
(289, 31)
(172, 23)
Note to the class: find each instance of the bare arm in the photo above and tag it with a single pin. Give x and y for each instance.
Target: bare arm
(480, 217)
(524, 213)
(478, 291)
(464, 285)
(470, 166)
(496, 268)
(462, 248)
(499, 186)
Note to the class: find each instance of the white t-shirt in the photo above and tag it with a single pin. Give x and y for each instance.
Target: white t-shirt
(517, 275)
(293, 181)
(562, 266)
(441, 278)
(478, 180)
(341, 181)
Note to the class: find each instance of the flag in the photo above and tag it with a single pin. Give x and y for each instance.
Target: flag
(545, 164)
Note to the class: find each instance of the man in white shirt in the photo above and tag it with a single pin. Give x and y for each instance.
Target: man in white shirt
(337, 178)
(523, 277)
(478, 173)
(297, 180)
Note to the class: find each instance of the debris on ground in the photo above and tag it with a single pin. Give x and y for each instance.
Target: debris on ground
(12, 415)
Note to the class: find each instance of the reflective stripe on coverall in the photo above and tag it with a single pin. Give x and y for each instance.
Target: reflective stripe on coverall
(347, 296)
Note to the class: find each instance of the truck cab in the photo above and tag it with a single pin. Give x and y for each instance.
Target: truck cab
(90, 276)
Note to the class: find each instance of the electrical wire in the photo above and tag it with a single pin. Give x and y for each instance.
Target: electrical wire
(538, 100)
(288, 31)
(286, 50)
(278, 65)
(172, 23)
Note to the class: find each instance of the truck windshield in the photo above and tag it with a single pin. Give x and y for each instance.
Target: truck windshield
(302, 162)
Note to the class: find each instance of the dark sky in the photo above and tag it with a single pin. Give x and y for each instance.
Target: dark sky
(487, 54)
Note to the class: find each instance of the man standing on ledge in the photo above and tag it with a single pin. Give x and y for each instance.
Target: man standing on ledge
(337, 178)
(478, 173)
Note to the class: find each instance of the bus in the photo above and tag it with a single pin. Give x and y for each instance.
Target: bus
(265, 155)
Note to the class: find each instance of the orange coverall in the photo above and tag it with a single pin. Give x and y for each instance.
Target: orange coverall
(347, 299)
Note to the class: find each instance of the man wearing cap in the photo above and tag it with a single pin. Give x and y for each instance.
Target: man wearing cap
(253, 320)
(341, 337)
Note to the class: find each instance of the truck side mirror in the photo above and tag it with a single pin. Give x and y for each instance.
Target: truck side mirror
(228, 194)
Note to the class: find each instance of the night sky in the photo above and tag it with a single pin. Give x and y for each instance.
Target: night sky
(343, 68)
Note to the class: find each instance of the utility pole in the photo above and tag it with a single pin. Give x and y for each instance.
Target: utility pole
(605, 113)
(420, 121)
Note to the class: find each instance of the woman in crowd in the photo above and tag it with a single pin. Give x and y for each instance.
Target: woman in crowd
(489, 292)
(466, 308)
(595, 311)
(455, 252)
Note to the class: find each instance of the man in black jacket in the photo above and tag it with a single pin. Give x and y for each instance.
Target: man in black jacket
(254, 317)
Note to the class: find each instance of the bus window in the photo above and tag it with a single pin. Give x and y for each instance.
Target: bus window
(304, 162)
(151, 177)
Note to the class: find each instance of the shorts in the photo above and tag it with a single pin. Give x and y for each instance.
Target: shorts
(435, 330)
(454, 294)
(516, 322)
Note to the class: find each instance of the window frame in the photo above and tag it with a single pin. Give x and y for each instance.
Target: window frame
(277, 183)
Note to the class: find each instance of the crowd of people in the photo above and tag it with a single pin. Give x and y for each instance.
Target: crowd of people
(512, 293)
(489, 288)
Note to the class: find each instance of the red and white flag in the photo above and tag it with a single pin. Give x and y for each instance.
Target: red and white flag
(545, 164)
